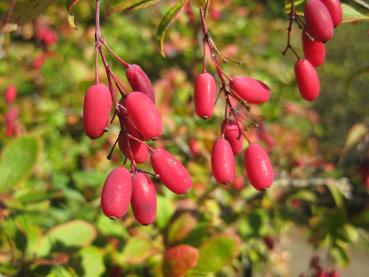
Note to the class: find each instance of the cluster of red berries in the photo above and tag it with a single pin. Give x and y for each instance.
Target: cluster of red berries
(321, 17)
(244, 91)
(140, 121)
(318, 270)
(11, 116)
(47, 37)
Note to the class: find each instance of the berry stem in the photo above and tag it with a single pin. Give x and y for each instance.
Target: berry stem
(292, 18)
(119, 59)
(97, 34)
(138, 140)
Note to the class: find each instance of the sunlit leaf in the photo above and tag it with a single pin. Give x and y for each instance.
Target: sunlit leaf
(92, 261)
(133, 4)
(166, 21)
(352, 15)
(18, 160)
(218, 252)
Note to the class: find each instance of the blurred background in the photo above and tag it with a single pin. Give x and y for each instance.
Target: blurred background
(314, 218)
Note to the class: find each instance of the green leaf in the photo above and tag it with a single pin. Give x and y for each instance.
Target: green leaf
(136, 251)
(164, 211)
(336, 195)
(76, 233)
(71, 20)
(340, 256)
(166, 21)
(133, 5)
(181, 227)
(352, 15)
(179, 259)
(18, 160)
(59, 271)
(355, 136)
(199, 234)
(218, 252)
(110, 227)
(92, 261)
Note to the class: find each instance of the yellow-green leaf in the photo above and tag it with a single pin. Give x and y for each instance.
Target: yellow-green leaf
(18, 160)
(166, 21)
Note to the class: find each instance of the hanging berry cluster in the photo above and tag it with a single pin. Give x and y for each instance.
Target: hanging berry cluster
(47, 38)
(243, 90)
(11, 116)
(320, 19)
(139, 121)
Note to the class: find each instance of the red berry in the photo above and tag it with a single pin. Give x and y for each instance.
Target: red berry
(39, 60)
(232, 134)
(46, 35)
(10, 94)
(335, 9)
(258, 167)
(139, 81)
(11, 130)
(321, 273)
(334, 273)
(143, 115)
(172, 173)
(307, 80)
(135, 148)
(222, 161)
(269, 242)
(251, 90)
(229, 125)
(116, 193)
(318, 20)
(11, 116)
(127, 125)
(96, 108)
(205, 94)
(314, 51)
(215, 14)
(194, 147)
(143, 200)
(238, 183)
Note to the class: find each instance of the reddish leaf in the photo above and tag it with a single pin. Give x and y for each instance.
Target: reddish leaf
(179, 259)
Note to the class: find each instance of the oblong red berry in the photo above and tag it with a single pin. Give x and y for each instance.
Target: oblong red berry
(96, 109)
(139, 81)
(335, 9)
(235, 141)
(238, 183)
(222, 161)
(258, 167)
(314, 51)
(318, 20)
(143, 201)
(251, 90)
(171, 171)
(134, 150)
(232, 134)
(10, 94)
(116, 193)
(143, 115)
(11, 116)
(127, 125)
(307, 80)
(205, 94)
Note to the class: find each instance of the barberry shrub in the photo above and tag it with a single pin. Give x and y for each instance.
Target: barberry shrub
(118, 161)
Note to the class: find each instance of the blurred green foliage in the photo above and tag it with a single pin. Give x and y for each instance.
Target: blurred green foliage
(51, 176)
